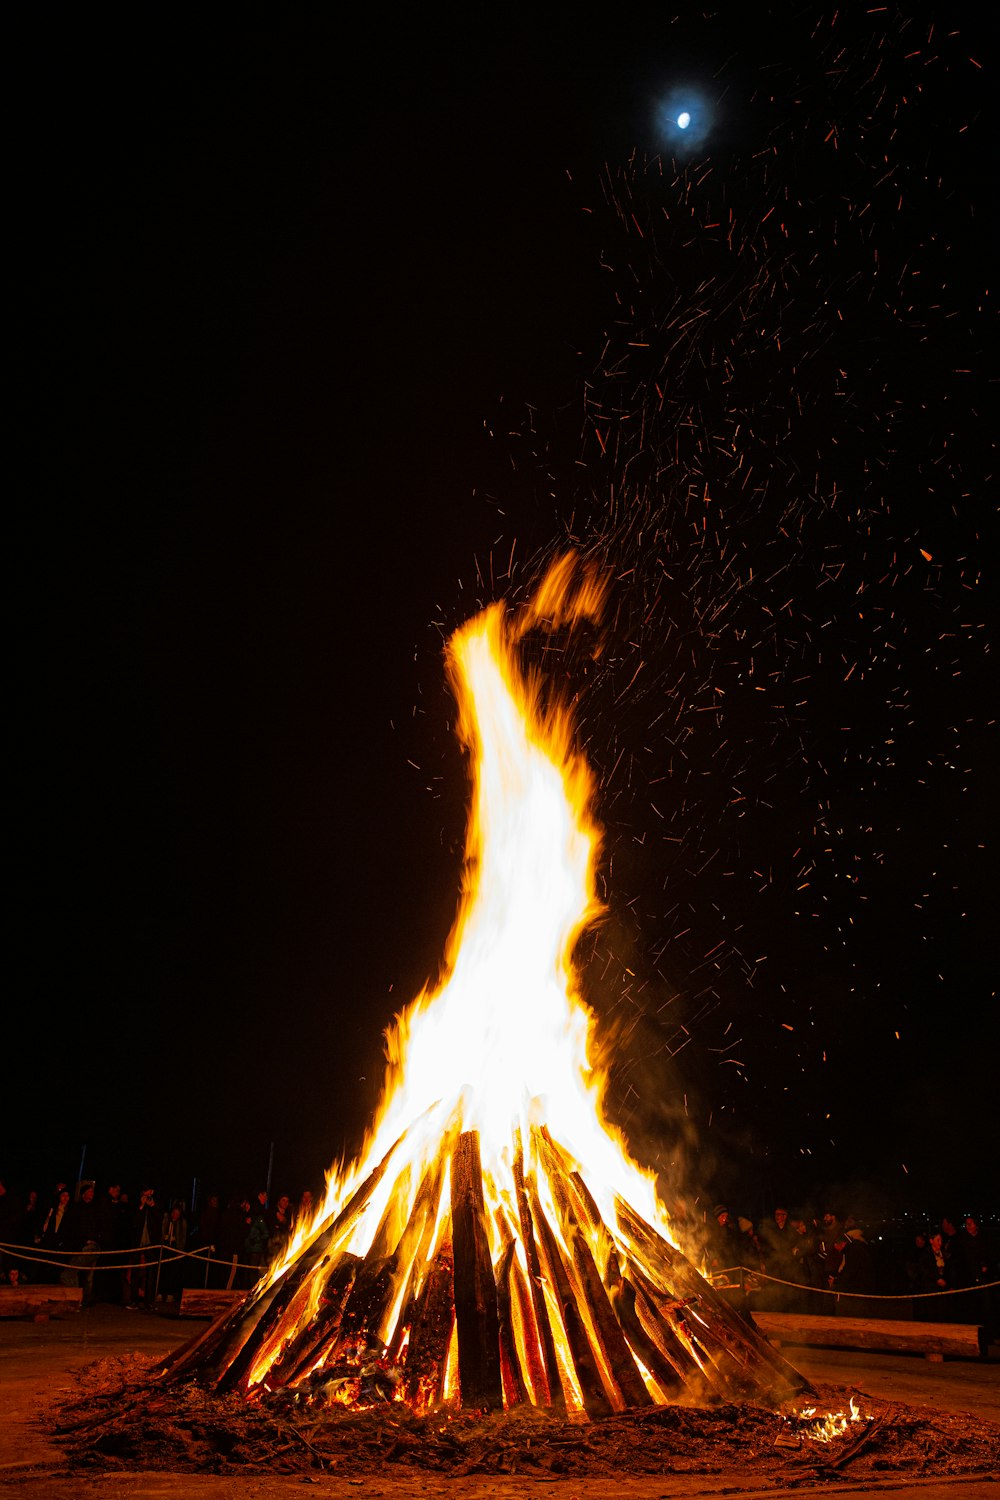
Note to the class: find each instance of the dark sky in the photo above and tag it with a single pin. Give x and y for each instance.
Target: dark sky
(315, 327)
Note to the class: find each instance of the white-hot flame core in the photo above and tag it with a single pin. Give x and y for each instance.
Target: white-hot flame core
(504, 1041)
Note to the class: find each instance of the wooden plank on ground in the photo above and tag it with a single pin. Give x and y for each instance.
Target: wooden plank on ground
(39, 1301)
(931, 1339)
(207, 1302)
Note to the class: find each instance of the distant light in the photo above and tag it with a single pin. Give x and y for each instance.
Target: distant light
(683, 120)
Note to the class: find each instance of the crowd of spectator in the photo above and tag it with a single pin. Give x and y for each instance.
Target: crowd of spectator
(143, 1253)
(796, 1260)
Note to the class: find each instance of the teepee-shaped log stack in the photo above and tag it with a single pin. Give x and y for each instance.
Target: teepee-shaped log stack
(539, 1300)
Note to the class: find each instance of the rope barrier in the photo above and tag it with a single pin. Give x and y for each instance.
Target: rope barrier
(828, 1291)
(164, 1255)
(104, 1259)
(119, 1250)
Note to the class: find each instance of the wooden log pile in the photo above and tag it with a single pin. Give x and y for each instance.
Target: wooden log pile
(564, 1311)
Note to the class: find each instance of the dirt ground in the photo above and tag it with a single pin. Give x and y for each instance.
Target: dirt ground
(78, 1420)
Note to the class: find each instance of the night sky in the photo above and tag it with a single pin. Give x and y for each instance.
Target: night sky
(323, 336)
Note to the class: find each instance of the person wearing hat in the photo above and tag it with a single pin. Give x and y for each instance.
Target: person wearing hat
(751, 1250)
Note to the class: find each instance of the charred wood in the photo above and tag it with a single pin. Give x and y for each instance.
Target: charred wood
(607, 1336)
(261, 1327)
(306, 1349)
(769, 1374)
(198, 1349)
(476, 1312)
(547, 1380)
(666, 1327)
(430, 1335)
(680, 1322)
(412, 1252)
(653, 1356)
(596, 1399)
(253, 1319)
(514, 1386)
(607, 1330)
(365, 1306)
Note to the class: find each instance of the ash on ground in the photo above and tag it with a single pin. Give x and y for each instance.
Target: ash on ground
(123, 1420)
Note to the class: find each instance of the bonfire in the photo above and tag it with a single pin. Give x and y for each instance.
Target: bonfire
(495, 1244)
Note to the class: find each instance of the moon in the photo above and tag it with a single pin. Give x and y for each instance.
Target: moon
(685, 117)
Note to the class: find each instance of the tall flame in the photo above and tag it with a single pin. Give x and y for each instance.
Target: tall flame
(494, 1243)
(505, 1040)
(503, 1045)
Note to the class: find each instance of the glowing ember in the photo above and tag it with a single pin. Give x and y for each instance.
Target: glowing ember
(494, 1242)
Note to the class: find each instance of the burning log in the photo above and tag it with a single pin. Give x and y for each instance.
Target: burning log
(575, 1209)
(412, 1252)
(430, 1337)
(231, 1332)
(476, 1311)
(263, 1332)
(546, 1379)
(667, 1329)
(760, 1365)
(355, 1305)
(514, 1388)
(597, 1401)
(309, 1344)
(367, 1301)
(606, 1330)
(652, 1353)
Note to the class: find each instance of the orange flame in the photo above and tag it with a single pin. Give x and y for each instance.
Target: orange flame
(833, 1424)
(505, 1041)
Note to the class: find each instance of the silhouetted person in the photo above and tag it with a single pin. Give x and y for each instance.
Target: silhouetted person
(145, 1231)
(56, 1232)
(9, 1222)
(32, 1218)
(24, 1228)
(829, 1228)
(282, 1227)
(774, 1234)
(857, 1273)
(258, 1235)
(232, 1238)
(724, 1249)
(970, 1267)
(210, 1238)
(912, 1261)
(806, 1264)
(85, 1232)
(775, 1237)
(116, 1235)
(968, 1257)
(173, 1239)
(751, 1251)
(932, 1275)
